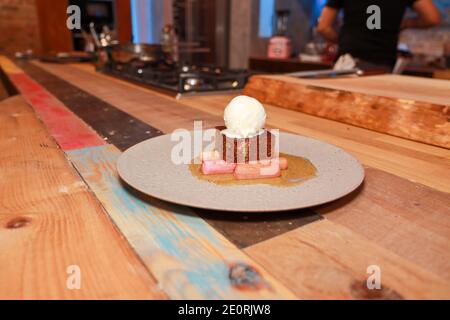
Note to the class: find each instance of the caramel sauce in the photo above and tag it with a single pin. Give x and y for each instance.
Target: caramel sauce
(299, 170)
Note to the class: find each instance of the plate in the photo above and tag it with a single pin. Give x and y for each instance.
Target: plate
(148, 168)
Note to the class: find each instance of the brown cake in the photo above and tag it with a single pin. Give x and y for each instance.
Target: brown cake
(235, 150)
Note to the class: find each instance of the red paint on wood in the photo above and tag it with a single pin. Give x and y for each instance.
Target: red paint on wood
(68, 130)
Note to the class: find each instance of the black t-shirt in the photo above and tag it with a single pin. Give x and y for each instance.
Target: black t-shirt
(377, 45)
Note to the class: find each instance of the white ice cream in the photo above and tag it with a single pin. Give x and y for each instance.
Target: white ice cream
(244, 118)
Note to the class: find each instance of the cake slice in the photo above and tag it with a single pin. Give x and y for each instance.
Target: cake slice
(245, 150)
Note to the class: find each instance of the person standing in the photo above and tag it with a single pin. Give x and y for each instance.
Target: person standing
(371, 28)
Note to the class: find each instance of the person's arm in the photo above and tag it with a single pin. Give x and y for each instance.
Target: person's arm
(428, 15)
(326, 22)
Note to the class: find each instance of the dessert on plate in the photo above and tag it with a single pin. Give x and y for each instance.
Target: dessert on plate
(247, 153)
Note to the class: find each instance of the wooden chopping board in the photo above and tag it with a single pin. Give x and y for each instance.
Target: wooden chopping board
(392, 86)
(407, 107)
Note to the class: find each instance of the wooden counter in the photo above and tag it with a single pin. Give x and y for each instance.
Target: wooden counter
(398, 220)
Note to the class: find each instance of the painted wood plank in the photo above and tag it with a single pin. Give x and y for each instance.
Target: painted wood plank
(115, 126)
(323, 260)
(419, 121)
(189, 259)
(49, 221)
(68, 130)
(386, 85)
(160, 111)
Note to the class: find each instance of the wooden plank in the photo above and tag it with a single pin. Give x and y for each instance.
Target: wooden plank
(442, 74)
(50, 221)
(189, 259)
(115, 126)
(67, 129)
(323, 260)
(410, 119)
(8, 66)
(159, 111)
(433, 91)
(245, 229)
(411, 220)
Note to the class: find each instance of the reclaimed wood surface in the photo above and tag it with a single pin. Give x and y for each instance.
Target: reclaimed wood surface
(419, 162)
(189, 259)
(323, 260)
(160, 111)
(403, 87)
(49, 221)
(402, 228)
(123, 131)
(178, 262)
(403, 117)
(414, 161)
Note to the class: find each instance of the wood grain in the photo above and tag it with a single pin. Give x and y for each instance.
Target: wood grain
(49, 221)
(419, 121)
(113, 125)
(433, 91)
(159, 111)
(323, 260)
(55, 36)
(67, 129)
(408, 219)
(189, 259)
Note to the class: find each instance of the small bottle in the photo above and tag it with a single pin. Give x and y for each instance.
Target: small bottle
(280, 45)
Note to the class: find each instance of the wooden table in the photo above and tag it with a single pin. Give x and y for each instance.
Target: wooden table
(63, 209)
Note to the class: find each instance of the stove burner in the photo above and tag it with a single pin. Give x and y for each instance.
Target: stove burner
(180, 79)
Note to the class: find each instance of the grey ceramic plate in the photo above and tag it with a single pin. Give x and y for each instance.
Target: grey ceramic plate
(147, 167)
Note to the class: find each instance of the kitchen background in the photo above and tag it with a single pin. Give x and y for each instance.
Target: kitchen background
(242, 28)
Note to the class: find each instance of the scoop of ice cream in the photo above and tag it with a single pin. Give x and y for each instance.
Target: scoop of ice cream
(244, 117)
